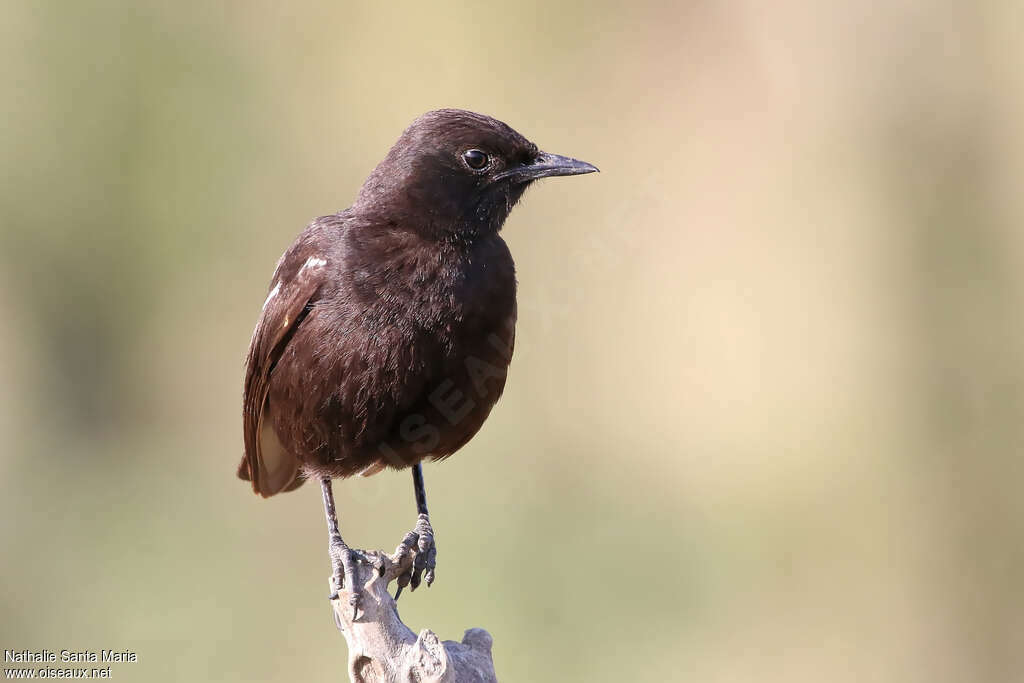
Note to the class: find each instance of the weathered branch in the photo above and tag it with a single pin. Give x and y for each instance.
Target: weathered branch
(382, 648)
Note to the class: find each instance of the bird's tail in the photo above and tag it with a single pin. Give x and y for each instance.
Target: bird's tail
(244, 475)
(243, 469)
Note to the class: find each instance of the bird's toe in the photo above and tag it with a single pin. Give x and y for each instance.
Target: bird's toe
(420, 544)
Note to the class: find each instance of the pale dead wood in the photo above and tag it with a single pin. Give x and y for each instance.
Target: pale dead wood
(382, 648)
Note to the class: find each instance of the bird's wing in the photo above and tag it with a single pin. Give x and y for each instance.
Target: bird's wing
(266, 463)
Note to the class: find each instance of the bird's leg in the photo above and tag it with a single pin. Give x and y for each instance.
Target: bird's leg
(420, 540)
(343, 558)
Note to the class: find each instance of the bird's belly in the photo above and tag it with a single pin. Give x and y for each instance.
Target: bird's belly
(453, 401)
(399, 401)
(453, 406)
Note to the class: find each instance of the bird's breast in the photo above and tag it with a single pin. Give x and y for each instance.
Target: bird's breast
(455, 332)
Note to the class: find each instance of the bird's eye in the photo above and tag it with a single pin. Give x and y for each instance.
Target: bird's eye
(475, 159)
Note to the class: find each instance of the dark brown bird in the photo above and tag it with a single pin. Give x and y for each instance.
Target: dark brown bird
(389, 326)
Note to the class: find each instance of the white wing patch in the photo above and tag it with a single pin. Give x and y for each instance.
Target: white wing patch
(274, 292)
(313, 262)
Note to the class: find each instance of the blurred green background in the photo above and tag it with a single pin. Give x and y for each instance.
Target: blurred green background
(764, 421)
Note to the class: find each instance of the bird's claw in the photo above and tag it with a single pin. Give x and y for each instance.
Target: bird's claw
(354, 601)
(344, 560)
(420, 542)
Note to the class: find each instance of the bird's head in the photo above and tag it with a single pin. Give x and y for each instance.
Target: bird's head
(456, 173)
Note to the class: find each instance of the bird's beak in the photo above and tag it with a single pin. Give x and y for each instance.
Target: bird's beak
(546, 165)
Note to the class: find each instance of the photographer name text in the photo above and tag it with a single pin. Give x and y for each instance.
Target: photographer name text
(48, 656)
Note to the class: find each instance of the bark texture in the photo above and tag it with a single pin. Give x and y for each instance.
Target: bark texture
(382, 648)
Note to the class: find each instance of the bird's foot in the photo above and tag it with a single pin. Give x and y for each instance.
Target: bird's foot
(344, 561)
(420, 543)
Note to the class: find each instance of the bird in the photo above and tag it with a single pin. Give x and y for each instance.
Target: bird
(387, 331)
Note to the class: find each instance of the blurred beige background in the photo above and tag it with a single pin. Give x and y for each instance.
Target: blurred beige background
(764, 418)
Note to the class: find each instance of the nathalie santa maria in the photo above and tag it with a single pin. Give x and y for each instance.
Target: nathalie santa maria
(44, 656)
